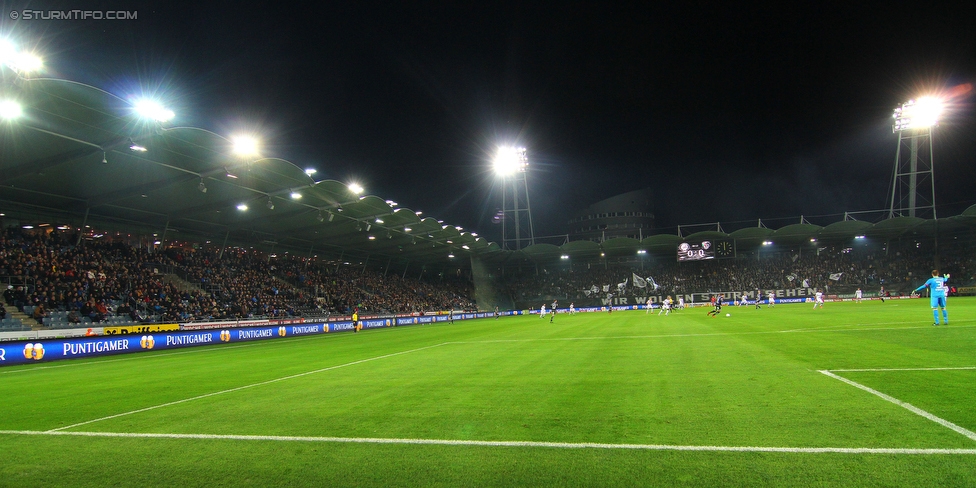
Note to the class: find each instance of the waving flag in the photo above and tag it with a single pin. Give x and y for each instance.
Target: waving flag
(653, 284)
(639, 282)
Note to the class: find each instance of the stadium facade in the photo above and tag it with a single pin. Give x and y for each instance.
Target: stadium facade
(626, 215)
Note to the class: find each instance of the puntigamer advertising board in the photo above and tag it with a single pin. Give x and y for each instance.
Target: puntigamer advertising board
(121, 340)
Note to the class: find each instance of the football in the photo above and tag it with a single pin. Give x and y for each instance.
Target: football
(728, 315)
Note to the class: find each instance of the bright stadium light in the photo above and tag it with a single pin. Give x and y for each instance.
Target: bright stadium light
(10, 110)
(242, 207)
(918, 114)
(28, 63)
(296, 196)
(19, 61)
(7, 51)
(510, 160)
(244, 145)
(153, 110)
(355, 188)
(310, 171)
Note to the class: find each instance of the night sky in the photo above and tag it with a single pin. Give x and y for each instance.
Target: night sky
(728, 113)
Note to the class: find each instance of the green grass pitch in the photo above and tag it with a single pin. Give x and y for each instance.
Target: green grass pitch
(864, 394)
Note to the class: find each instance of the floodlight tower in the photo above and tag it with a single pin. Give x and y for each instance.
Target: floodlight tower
(913, 182)
(511, 165)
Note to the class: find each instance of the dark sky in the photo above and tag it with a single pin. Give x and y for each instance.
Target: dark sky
(728, 113)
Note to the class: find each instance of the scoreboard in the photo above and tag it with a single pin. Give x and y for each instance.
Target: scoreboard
(696, 251)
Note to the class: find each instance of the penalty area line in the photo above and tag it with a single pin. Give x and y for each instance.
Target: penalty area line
(239, 388)
(882, 370)
(907, 406)
(475, 443)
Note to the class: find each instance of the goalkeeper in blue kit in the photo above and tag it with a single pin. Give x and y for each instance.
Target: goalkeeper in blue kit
(937, 294)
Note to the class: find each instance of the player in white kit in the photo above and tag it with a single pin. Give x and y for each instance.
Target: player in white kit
(818, 299)
(666, 306)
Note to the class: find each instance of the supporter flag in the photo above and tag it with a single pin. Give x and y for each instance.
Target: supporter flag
(622, 285)
(606, 288)
(836, 276)
(791, 277)
(639, 282)
(651, 283)
(587, 292)
(595, 289)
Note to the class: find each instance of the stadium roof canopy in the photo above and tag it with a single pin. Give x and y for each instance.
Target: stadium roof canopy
(81, 156)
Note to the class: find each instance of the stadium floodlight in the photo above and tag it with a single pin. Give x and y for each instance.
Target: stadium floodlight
(245, 145)
(22, 62)
(10, 110)
(510, 160)
(296, 196)
(153, 110)
(767, 243)
(355, 188)
(922, 113)
(242, 207)
(564, 256)
(310, 171)
(7, 51)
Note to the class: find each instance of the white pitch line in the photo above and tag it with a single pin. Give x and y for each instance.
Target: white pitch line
(908, 406)
(881, 370)
(239, 388)
(535, 444)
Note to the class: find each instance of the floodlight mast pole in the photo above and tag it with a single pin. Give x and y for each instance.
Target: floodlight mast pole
(519, 216)
(914, 165)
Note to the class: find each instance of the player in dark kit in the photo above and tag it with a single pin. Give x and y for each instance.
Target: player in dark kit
(718, 306)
